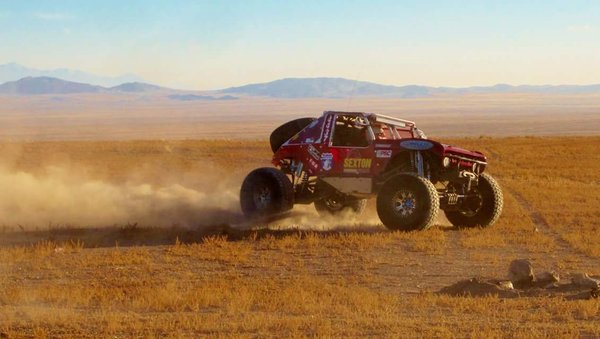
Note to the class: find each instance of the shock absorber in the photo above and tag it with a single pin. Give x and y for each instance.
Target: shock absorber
(304, 180)
(296, 171)
(301, 187)
(419, 164)
(299, 169)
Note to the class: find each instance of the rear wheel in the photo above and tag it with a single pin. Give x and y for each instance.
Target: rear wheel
(408, 202)
(335, 205)
(482, 209)
(266, 191)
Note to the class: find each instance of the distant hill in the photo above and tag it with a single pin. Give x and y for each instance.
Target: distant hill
(345, 88)
(283, 88)
(135, 87)
(14, 71)
(48, 85)
(194, 97)
(326, 88)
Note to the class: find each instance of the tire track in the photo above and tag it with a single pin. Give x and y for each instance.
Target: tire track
(538, 220)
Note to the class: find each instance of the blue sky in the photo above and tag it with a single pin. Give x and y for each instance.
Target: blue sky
(213, 44)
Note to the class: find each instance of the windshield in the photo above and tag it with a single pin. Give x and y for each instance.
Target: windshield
(350, 131)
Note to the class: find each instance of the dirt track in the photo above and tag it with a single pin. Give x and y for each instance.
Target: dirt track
(402, 263)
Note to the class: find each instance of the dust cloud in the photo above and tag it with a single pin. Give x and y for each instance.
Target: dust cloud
(64, 197)
(305, 218)
(62, 194)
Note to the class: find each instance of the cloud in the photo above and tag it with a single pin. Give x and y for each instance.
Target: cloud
(52, 16)
(581, 28)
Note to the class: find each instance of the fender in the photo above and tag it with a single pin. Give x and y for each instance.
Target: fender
(422, 145)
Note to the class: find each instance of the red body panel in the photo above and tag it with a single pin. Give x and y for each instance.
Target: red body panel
(313, 147)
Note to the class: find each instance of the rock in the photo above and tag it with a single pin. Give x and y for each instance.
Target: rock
(548, 277)
(476, 287)
(551, 285)
(505, 284)
(583, 280)
(593, 294)
(520, 272)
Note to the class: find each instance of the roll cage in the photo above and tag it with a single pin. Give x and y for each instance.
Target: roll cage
(377, 127)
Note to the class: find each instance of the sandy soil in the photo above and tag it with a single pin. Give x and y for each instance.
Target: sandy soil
(120, 117)
(174, 263)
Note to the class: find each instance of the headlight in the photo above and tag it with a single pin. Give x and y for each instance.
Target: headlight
(446, 162)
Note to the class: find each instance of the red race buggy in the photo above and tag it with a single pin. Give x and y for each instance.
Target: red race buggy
(340, 159)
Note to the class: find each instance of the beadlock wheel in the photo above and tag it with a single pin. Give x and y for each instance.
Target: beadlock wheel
(408, 202)
(481, 210)
(405, 203)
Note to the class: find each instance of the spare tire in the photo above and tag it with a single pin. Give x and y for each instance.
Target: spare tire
(286, 131)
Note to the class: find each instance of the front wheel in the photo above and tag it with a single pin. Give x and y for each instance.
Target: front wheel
(335, 205)
(408, 202)
(266, 191)
(482, 209)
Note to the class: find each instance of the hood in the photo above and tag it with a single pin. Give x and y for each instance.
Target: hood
(453, 150)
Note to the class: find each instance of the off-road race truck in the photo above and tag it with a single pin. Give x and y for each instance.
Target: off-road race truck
(339, 160)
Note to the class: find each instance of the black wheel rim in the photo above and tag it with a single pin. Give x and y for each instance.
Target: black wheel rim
(262, 198)
(472, 205)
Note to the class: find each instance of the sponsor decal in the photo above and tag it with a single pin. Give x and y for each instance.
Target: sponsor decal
(314, 152)
(327, 128)
(313, 164)
(383, 145)
(357, 163)
(309, 140)
(326, 161)
(418, 145)
(383, 153)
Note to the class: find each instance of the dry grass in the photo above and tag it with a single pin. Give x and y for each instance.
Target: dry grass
(558, 178)
(352, 281)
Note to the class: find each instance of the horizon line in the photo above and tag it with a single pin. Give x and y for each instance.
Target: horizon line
(303, 78)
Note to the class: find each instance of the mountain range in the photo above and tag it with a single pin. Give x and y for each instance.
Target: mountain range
(63, 83)
(13, 71)
(327, 88)
(48, 85)
(345, 88)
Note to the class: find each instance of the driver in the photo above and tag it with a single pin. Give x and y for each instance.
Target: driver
(378, 131)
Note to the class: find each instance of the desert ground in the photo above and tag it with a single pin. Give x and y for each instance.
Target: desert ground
(145, 238)
(154, 116)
